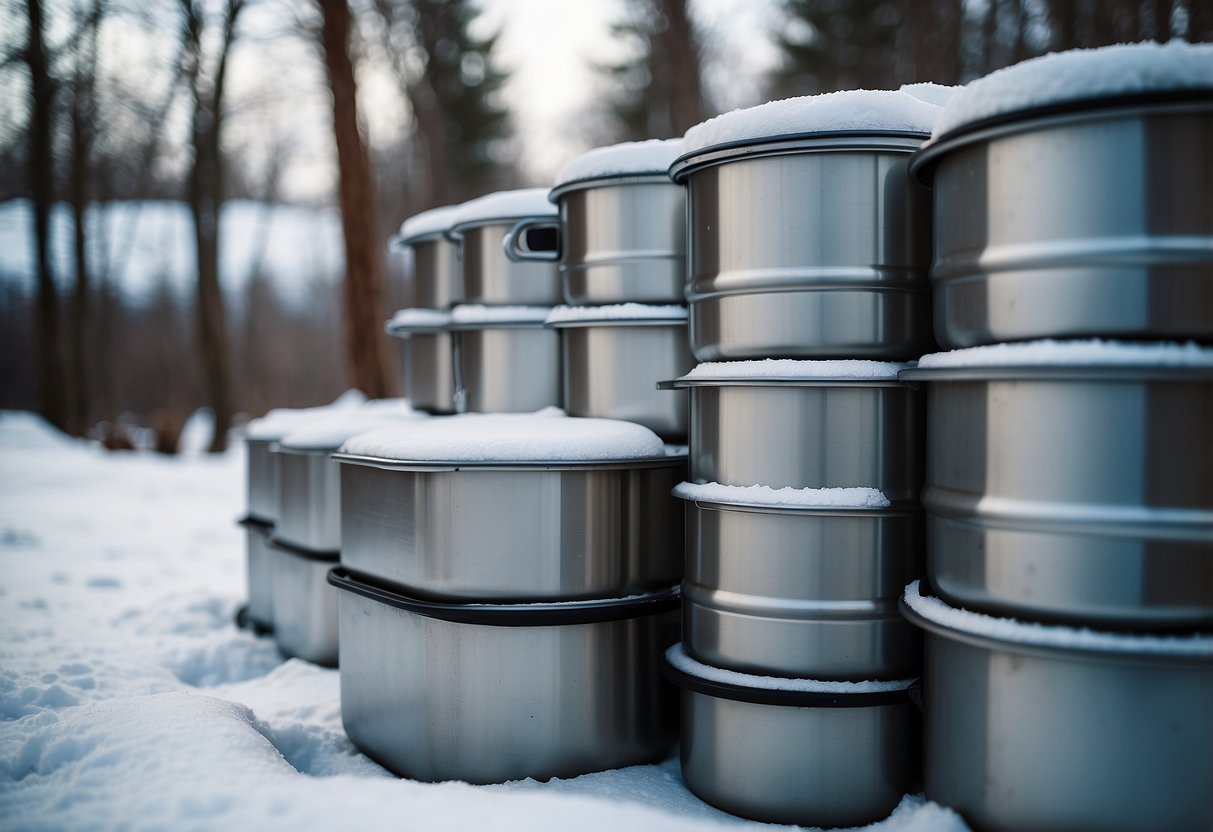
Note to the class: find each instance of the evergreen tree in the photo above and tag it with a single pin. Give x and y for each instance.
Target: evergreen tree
(833, 45)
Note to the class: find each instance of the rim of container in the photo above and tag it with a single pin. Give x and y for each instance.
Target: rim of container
(1046, 372)
(405, 330)
(786, 143)
(510, 614)
(894, 509)
(773, 381)
(650, 177)
(1049, 644)
(664, 461)
(1030, 118)
(328, 556)
(438, 234)
(587, 322)
(758, 695)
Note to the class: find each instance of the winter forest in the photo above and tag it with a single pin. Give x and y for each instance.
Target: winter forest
(195, 195)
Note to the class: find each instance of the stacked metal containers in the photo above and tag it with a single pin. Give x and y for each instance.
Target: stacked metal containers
(808, 251)
(1068, 610)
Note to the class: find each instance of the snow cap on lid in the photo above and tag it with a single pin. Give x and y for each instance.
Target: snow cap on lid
(329, 432)
(281, 420)
(545, 436)
(835, 112)
(932, 93)
(790, 368)
(474, 313)
(418, 317)
(427, 223)
(504, 205)
(1081, 75)
(764, 495)
(617, 312)
(626, 159)
(1091, 352)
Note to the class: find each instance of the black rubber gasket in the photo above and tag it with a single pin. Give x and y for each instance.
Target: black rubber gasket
(255, 524)
(244, 622)
(306, 554)
(511, 615)
(786, 698)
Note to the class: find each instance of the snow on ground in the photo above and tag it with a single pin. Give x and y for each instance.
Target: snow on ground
(129, 699)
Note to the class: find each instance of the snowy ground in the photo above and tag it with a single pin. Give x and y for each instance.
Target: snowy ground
(128, 698)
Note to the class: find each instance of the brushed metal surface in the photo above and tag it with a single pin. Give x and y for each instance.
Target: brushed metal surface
(801, 593)
(437, 272)
(489, 277)
(258, 566)
(814, 251)
(1089, 224)
(439, 700)
(813, 766)
(1059, 495)
(611, 370)
(262, 481)
(512, 369)
(309, 500)
(1022, 738)
(527, 535)
(826, 435)
(623, 242)
(429, 373)
(305, 606)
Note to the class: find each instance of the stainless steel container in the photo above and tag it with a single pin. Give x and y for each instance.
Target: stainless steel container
(1093, 219)
(305, 606)
(427, 355)
(506, 367)
(309, 500)
(809, 754)
(611, 366)
(812, 247)
(622, 240)
(1080, 494)
(488, 692)
(489, 276)
(1053, 729)
(260, 610)
(806, 433)
(782, 591)
(513, 531)
(437, 271)
(262, 480)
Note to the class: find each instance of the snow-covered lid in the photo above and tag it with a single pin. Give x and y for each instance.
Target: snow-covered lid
(545, 436)
(282, 420)
(616, 313)
(418, 319)
(477, 315)
(1033, 634)
(627, 159)
(792, 369)
(329, 432)
(849, 111)
(932, 93)
(678, 658)
(436, 221)
(1081, 75)
(1092, 352)
(504, 205)
(764, 496)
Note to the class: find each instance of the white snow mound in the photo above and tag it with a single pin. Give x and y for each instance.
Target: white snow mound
(474, 313)
(791, 368)
(1092, 352)
(282, 420)
(328, 433)
(616, 312)
(504, 205)
(418, 317)
(764, 495)
(626, 159)
(427, 224)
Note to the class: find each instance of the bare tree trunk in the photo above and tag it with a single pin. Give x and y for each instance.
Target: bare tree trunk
(1162, 19)
(42, 180)
(1200, 22)
(1063, 23)
(364, 269)
(685, 90)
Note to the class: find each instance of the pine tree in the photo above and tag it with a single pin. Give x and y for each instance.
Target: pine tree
(833, 45)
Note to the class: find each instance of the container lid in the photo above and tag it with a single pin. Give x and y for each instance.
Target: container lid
(930, 612)
(849, 112)
(763, 496)
(650, 158)
(1080, 76)
(1089, 358)
(621, 314)
(281, 420)
(417, 319)
(330, 432)
(790, 371)
(546, 437)
(693, 675)
(432, 223)
(502, 206)
(477, 316)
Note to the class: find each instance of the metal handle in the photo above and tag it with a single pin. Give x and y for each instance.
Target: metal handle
(517, 237)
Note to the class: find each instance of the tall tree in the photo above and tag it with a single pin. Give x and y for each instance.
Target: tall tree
(364, 267)
(206, 86)
(658, 91)
(830, 45)
(43, 90)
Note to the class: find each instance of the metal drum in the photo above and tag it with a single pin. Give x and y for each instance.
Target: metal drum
(437, 273)
(612, 358)
(1095, 219)
(799, 591)
(807, 433)
(1052, 729)
(487, 693)
(489, 276)
(305, 606)
(505, 361)
(309, 500)
(814, 247)
(262, 479)
(800, 751)
(257, 564)
(427, 356)
(537, 531)
(1075, 494)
